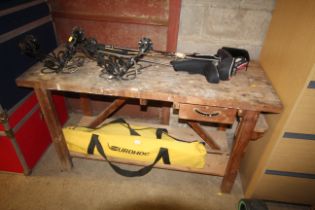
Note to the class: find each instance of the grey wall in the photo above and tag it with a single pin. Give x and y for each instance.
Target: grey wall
(207, 25)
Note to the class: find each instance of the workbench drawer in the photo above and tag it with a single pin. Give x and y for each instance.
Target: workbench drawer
(207, 113)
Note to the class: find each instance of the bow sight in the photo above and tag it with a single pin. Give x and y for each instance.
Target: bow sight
(63, 61)
(120, 63)
(114, 61)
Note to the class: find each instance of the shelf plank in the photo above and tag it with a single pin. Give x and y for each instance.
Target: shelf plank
(215, 163)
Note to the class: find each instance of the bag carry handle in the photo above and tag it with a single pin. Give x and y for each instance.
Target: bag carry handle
(163, 153)
(122, 121)
(133, 132)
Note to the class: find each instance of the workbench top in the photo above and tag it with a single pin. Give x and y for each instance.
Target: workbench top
(248, 90)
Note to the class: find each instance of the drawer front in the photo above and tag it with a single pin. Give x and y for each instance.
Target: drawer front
(207, 113)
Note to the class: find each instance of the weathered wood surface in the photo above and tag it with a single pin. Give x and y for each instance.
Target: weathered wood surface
(248, 90)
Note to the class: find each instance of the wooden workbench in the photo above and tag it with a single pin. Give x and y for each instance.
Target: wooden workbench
(245, 96)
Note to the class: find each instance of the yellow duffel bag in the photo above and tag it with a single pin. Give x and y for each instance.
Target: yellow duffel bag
(118, 139)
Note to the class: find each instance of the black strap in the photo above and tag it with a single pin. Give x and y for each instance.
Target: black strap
(163, 153)
(133, 132)
(90, 149)
(121, 120)
(159, 132)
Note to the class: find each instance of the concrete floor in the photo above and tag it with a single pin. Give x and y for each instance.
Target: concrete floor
(93, 185)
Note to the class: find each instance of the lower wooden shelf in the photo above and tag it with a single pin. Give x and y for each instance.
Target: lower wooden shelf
(215, 163)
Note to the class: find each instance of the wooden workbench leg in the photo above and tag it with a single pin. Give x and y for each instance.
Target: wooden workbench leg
(55, 129)
(243, 136)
